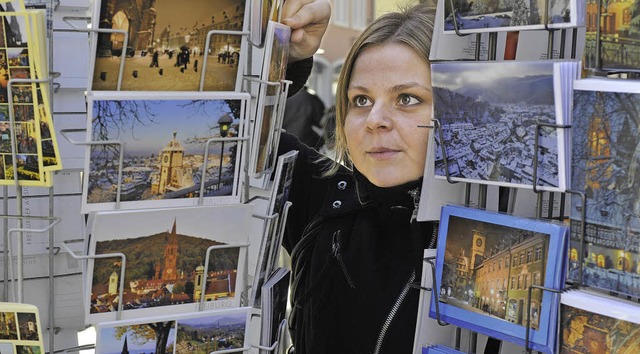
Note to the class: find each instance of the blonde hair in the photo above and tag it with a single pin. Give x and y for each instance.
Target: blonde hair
(412, 26)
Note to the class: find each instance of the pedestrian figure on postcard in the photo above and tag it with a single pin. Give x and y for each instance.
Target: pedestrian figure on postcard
(154, 60)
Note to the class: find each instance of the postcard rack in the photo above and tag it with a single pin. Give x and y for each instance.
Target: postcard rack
(9, 276)
(276, 117)
(504, 192)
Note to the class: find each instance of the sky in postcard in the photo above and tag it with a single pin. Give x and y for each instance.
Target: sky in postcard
(221, 221)
(169, 116)
(109, 343)
(181, 13)
(222, 319)
(472, 74)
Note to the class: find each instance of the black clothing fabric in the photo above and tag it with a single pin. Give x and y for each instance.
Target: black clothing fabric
(298, 72)
(355, 249)
(302, 113)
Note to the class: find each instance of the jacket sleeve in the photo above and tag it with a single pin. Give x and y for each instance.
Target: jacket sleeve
(307, 191)
(298, 72)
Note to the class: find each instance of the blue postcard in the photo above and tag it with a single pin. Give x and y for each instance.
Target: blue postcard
(486, 263)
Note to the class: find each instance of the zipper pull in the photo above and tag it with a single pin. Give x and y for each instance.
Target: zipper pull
(335, 252)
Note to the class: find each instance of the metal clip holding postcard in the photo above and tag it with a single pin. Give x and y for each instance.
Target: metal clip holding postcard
(125, 43)
(583, 197)
(275, 114)
(222, 140)
(18, 291)
(206, 269)
(207, 46)
(527, 348)
(99, 256)
(443, 150)
(273, 346)
(456, 29)
(120, 144)
(12, 119)
(433, 289)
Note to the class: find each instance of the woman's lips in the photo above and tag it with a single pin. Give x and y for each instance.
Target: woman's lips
(382, 153)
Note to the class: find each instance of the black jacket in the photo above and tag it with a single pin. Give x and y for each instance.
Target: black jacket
(355, 249)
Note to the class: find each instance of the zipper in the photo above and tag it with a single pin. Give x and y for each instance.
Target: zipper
(392, 313)
(415, 194)
(335, 251)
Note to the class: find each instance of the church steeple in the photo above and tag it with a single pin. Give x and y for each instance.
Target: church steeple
(171, 254)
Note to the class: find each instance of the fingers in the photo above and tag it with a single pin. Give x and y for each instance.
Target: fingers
(300, 13)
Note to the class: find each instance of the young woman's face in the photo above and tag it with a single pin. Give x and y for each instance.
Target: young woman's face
(389, 96)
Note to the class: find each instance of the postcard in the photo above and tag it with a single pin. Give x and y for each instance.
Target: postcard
(269, 112)
(439, 349)
(166, 45)
(163, 138)
(165, 252)
(488, 113)
(596, 323)
(20, 329)
(604, 155)
(274, 308)
(613, 51)
(486, 263)
(274, 228)
(263, 11)
(16, 62)
(219, 331)
(488, 16)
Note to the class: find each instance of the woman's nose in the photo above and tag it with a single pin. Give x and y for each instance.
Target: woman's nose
(379, 117)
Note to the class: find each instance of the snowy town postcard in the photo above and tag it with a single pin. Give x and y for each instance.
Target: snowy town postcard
(198, 332)
(488, 113)
(166, 48)
(163, 143)
(509, 15)
(166, 251)
(605, 166)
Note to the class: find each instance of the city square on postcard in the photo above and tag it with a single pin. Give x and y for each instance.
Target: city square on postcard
(166, 45)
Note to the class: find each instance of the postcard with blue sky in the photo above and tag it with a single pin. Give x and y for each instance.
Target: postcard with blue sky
(488, 113)
(485, 265)
(162, 140)
(220, 331)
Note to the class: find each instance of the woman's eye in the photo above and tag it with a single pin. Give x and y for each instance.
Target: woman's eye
(408, 100)
(361, 101)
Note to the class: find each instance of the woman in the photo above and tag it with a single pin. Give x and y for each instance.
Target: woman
(355, 244)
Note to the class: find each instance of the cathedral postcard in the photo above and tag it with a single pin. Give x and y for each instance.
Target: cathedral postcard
(163, 261)
(168, 45)
(605, 156)
(148, 152)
